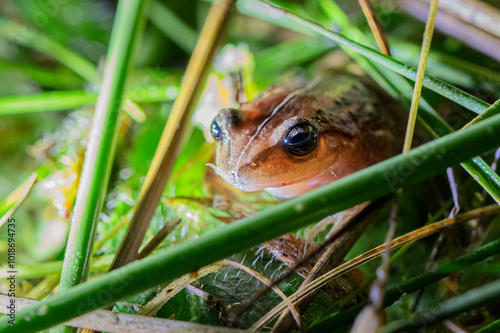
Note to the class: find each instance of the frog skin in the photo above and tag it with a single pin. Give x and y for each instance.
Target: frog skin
(299, 136)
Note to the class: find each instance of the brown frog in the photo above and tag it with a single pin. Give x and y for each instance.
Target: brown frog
(299, 136)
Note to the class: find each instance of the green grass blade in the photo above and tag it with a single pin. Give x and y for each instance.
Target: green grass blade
(398, 87)
(454, 94)
(494, 327)
(50, 78)
(414, 284)
(291, 52)
(12, 201)
(40, 270)
(477, 167)
(472, 299)
(173, 27)
(373, 182)
(64, 100)
(261, 11)
(40, 42)
(46, 101)
(444, 66)
(491, 111)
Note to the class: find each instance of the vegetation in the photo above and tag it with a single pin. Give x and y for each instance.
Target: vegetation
(105, 113)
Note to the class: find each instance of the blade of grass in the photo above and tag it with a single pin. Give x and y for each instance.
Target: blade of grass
(477, 167)
(172, 26)
(426, 45)
(38, 41)
(470, 300)
(101, 148)
(15, 198)
(374, 253)
(45, 287)
(107, 321)
(446, 66)
(491, 111)
(452, 93)
(172, 137)
(291, 52)
(46, 101)
(334, 309)
(50, 78)
(396, 85)
(158, 238)
(260, 11)
(10, 204)
(40, 270)
(494, 327)
(477, 13)
(368, 184)
(64, 100)
(414, 284)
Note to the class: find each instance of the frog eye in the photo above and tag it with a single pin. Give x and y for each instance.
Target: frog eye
(301, 139)
(216, 131)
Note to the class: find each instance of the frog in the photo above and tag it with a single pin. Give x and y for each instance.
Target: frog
(301, 135)
(298, 136)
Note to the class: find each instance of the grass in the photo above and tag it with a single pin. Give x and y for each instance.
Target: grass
(367, 184)
(426, 45)
(101, 149)
(56, 70)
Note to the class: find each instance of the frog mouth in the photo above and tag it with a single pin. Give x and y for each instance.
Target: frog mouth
(247, 185)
